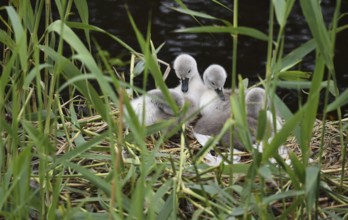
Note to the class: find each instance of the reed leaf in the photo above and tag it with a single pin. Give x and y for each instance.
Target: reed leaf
(247, 31)
(20, 37)
(79, 25)
(280, 8)
(7, 40)
(94, 179)
(82, 9)
(340, 101)
(280, 137)
(294, 75)
(80, 149)
(282, 195)
(152, 65)
(314, 17)
(312, 186)
(194, 13)
(83, 55)
(295, 56)
(69, 71)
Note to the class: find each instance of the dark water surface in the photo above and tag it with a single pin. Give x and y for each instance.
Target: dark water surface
(213, 48)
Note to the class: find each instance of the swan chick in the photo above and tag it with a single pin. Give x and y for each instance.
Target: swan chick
(213, 99)
(154, 108)
(191, 84)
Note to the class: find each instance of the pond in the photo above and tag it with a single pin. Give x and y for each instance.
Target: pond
(111, 15)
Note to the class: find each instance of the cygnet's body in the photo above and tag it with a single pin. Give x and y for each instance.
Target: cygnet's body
(213, 120)
(191, 84)
(212, 125)
(214, 100)
(155, 106)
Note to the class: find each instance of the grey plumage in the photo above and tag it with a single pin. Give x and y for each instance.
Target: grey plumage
(191, 84)
(212, 122)
(154, 107)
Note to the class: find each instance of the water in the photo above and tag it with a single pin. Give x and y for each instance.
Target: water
(212, 48)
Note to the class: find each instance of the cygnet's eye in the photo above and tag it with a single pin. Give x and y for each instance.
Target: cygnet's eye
(188, 71)
(213, 83)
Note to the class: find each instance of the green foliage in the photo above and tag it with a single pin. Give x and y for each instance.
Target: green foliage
(57, 163)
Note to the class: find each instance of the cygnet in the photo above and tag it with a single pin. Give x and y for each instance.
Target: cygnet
(155, 106)
(191, 84)
(214, 99)
(215, 116)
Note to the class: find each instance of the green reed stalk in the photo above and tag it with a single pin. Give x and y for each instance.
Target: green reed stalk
(235, 46)
(333, 75)
(234, 73)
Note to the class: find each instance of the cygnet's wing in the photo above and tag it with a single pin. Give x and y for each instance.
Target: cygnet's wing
(212, 125)
(157, 98)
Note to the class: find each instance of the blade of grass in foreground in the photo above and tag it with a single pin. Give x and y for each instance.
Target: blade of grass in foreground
(247, 31)
(152, 65)
(20, 36)
(314, 17)
(99, 183)
(83, 55)
(339, 101)
(69, 71)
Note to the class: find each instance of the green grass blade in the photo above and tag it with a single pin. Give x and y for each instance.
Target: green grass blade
(20, 36)
(280, 8)
(30, 77)
(94, 179)
(28, 15)
(302, 84)
(152, 64)
(296, 55)
(194, 13)
(69, 71)
(21, 170)
(282, 195)
(247, 31)
(83, 55)
(7, 40)
(280, 137)
(312, 186)
(82, 8)
(339, 101)
(314, 17)
(81, 149)
(294, 75)
(78, 25)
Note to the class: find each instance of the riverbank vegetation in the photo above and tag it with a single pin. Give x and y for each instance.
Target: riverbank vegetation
(65, 152)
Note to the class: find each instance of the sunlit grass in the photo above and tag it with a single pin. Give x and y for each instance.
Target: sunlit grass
(72, 158)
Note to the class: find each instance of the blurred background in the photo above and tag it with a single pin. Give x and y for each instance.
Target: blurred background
(111, 15)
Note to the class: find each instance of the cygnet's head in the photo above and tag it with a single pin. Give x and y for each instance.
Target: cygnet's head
(214, 78)
(255, 95)
(185, 67)
(255, 99)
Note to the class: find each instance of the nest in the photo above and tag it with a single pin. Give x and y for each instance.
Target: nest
(326, 148)
(328, 152)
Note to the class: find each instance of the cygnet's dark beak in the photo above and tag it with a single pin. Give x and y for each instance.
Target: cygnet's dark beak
(184, 85)
(220, 93)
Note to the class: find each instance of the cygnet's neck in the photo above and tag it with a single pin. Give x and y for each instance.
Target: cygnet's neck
(197, 80)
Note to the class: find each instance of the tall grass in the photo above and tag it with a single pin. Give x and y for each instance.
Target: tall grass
(57, 163)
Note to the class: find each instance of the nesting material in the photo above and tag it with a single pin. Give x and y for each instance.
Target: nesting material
(332, 149)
